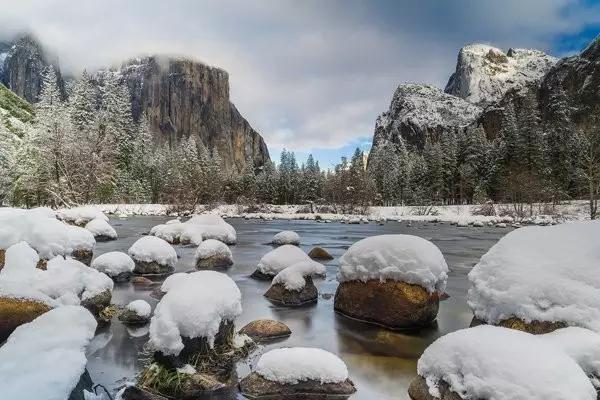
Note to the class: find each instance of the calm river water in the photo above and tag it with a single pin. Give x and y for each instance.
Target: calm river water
(381, 363)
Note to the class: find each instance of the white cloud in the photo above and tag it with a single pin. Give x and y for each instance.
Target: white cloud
(305, 74)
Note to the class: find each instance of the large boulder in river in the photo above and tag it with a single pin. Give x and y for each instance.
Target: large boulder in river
(391, 280)
(153, 255)
(266, 329)
(298, 373)
(286, 237)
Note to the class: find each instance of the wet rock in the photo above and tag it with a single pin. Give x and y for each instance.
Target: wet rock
(98, 302)
(122, 277)
(2, 257)
(261, 276)
(132, 318)
(16, 312)
(279, 295)
(255, 387)
(216, 261)
(418, 390)
(151, 268)
(534, 327)
(266, 329)
(391, 304)
(319, 253)
(141, 281)
(84, 256)
(104, 238)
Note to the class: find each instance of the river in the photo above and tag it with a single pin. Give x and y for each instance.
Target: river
(381, 363)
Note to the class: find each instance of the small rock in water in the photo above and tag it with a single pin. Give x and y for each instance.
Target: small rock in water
(266, 329)
(318, 253)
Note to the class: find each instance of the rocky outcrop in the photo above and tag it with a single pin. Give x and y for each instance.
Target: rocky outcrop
(254, 386)
(181, 97)
(391, 304)
(22, 66)
(484, 74)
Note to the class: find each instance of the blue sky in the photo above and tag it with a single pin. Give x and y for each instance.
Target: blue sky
(310, 75)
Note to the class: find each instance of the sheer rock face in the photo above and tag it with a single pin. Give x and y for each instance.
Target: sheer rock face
(22, 66)
(181, 97)
(484, 73)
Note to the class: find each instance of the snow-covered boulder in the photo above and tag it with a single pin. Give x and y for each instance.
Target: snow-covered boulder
(153, 255)
(101, 230)
(293, 286)
(490, 362)
(136, 312)
(169, 232)
(196, 229)
(80, 216)
(197, 312)
(45, 234)
(213, 254)
(46, 357)
(391, 280)
(278, 259)
(286, 237)
(67, 281)
(266, 329)
(540, 278)
(214, 227)
(116, 264)
(298, 372)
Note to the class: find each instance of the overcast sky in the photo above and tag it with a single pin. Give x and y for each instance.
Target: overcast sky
(310, 76)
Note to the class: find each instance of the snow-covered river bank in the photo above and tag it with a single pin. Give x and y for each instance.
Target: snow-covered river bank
(380, 362)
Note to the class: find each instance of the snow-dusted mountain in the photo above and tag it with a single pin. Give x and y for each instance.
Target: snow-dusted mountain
(420, 111)
(485, 73)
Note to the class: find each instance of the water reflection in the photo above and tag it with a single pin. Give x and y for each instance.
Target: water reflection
(380, 362)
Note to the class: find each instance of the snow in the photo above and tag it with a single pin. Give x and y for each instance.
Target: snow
(63, 277)
(280, 258)
(99, 227)
(488, 362)
(81, 215)
(582, 345)
(214, 227)
(540, 273)
(210, 248)
(140, 307)
(22, 290)
(196, 307)
(46, 357)
(295, 364)
(113, 263)
(405, 258)
(47, 235)
(292, 277)
(168, 232)
(192, 234)
(286, 237)
(151, 248)
(174, 280)
(484, 74)
(196, 229)
(187, 369)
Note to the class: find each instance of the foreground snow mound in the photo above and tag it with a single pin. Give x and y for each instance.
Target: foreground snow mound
(194, 306)
(293, 277)
(496, 363)
(282, 257)
(405, 258)
(286, 237)
(45, 358)
(81, 215)
(582, 345)
(63, 278)
(114, 263)
(101, 228)
(153, 249)
(296, 364)
(47, 235)
(540, 274)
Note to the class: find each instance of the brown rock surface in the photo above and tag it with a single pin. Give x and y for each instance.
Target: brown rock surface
(16, 312)
(418, 390)
(255, 387)
(266, 329)
(319, 253)
(534, 327)
(278, 294)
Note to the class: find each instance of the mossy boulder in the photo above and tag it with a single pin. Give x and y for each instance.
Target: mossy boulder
(151, 268)
(279, 295)
(266, 329)
(319, 253)
(256, 387)
(98, 302)
(130, 317)
(16, 312)
(215, 261)
(534, 327)
(391, 304)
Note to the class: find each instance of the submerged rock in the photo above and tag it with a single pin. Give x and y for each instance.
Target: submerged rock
(16, 312)
(266, 329)
(278, 294)
(254, 386)
(319, 253)
(392, 304)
